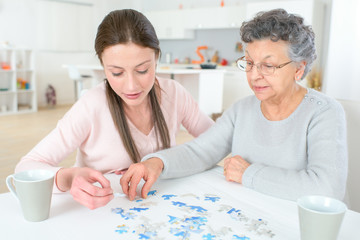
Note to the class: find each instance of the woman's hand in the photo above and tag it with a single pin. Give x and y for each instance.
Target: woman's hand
(80, 183)
(120, 172)
(234, 168)
(148, 170)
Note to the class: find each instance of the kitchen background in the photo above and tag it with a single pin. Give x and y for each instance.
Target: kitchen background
(62, 32)
(59, 32)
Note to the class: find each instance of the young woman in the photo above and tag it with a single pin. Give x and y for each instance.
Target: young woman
(131, 114)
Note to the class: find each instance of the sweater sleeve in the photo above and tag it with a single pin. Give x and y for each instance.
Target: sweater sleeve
(201, 153)
(325, 171)
(69, 133)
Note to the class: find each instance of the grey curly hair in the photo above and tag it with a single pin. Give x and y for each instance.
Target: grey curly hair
(278, 25)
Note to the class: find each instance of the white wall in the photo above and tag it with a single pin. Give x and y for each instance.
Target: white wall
(65, 33)
(49, 61)
(17, 22)
(342, 81)
(24, 23)
(342, 69)
(352, 110)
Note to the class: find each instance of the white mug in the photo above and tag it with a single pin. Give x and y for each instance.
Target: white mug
(33, 189)
(320, 217)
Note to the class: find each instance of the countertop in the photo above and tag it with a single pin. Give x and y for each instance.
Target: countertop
(192, 68)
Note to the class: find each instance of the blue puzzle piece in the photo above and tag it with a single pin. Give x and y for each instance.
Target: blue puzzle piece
(138, 209)
(213, 199)
(143, 236)
(147, 235)
(198, 208)
(240, 238)
(180, 204)
(233, 210)
(117, 210)
(173, 219)
(182, 234)
(196, 219)
(208, 237)
(152, 193)
(122, 229)
(128, 216)
(168, 196)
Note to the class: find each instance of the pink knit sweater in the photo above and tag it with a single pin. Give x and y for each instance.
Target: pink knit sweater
(88, 127)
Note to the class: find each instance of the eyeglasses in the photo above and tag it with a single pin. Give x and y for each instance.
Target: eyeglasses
(263, 68)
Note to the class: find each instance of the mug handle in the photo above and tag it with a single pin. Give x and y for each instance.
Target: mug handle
(10, 185)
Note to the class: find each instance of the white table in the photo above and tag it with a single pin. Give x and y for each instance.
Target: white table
(70, 220)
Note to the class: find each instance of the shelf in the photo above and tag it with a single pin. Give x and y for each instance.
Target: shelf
(24, 70)
(25, 91)
(7, 102)
(6, 92)
(17, 81)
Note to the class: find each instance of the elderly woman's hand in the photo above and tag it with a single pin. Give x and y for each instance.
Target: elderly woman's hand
(148, 170)
(234, 168)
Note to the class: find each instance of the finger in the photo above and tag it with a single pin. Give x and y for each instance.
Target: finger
(235, 176)
(227, 162)
(121, 172)
(227, 177)
(134, 182)
(147, 186)
(91, 202)
(99, 177)
(89, 188)
(96, 202)
(124, 182)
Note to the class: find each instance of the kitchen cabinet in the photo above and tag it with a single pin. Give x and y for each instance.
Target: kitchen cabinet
(206, 86)
(17, 81)
(304, 8)
(171, 24)
(180, 24)
(215, 90)
(65, 26)
(217, 18)
(236, 87)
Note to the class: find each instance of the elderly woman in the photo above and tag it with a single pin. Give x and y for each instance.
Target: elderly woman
(286, 140)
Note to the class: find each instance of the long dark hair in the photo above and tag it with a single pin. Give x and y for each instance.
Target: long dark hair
(121, 27)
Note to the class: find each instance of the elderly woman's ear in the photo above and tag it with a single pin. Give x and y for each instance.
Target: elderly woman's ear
(300, 71)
